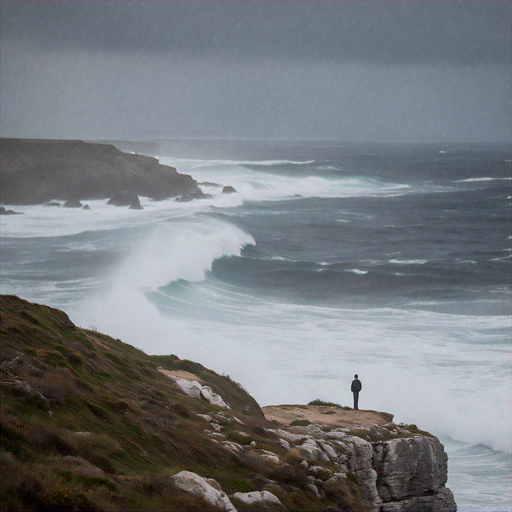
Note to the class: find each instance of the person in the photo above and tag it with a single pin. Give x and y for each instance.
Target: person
(355, 388)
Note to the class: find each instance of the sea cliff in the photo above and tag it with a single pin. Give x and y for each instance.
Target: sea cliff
(91, 423)
(37, 171)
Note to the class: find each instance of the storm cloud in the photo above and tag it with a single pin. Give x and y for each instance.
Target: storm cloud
(372, 70)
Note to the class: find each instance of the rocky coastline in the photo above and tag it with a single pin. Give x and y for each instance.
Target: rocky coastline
(37, 171)
(91, 423)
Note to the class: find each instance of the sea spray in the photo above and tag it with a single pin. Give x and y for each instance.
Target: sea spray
(387, 262)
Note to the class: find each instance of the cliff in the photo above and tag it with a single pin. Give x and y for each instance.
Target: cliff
(37, 171)
(91, 423)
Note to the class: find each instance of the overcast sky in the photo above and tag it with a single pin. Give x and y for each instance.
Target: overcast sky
(385, 70)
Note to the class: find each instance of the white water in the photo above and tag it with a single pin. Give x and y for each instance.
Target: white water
(436, 370)
(449, 374)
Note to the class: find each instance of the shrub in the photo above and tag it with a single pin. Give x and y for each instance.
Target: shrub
(294, 456)
(300, 422)
(239, 437)
(48, 441)
(322, 402)
(75, 358)
(295, 476)
(413, 429)
(345, 493)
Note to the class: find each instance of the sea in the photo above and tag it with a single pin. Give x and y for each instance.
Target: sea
(392, 261)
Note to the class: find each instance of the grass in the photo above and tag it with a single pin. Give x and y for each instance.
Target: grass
(89, 423)
(236, 396)
(323, 402)
(300, 423)
(69, 392)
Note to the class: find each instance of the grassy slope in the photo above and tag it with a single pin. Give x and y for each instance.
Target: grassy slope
(89, 423)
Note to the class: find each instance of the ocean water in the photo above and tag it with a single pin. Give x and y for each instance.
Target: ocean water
(390, 261)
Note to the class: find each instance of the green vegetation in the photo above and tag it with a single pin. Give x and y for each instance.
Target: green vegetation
(236, 395)
(89, 423)
(414, 430)
(300, 423)
(322, 402)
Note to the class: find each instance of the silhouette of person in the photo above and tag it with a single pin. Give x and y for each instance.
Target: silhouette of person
(355, 388)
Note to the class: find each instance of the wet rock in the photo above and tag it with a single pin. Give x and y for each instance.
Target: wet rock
(228, 189)
(73, 203)
(195, 195)
(125, 198)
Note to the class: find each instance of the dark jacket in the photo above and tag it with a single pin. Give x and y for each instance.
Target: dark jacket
(356, 385)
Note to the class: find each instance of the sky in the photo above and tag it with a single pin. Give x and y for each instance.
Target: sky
(360, 70)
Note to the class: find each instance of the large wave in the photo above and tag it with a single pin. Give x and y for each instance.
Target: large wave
(182, 278)
(164, 299)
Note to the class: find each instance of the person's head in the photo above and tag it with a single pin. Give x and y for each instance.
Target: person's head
(355, 376)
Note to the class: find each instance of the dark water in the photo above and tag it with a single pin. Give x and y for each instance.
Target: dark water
(330, 259)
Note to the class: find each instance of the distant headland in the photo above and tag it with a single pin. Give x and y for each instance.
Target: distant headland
(37, 171)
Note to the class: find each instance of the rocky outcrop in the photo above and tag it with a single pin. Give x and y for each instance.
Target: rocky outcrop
(195, 195)
(409, 467)
(73, 203)
(405, 473)
(397, 468)
(195, 389)
(38, 171)
(126, 198)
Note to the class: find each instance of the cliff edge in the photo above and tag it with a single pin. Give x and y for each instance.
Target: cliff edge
(91, 423)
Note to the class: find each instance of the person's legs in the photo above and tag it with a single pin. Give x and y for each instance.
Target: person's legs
(356, 400)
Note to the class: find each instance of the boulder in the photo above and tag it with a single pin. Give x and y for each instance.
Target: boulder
(86, 207)
(196, 390)
(267, 456)
(125, 198)
(228, 189)
(195, 195)
(195, 484)
(233, 447)
(262, 499)
(73, 203)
